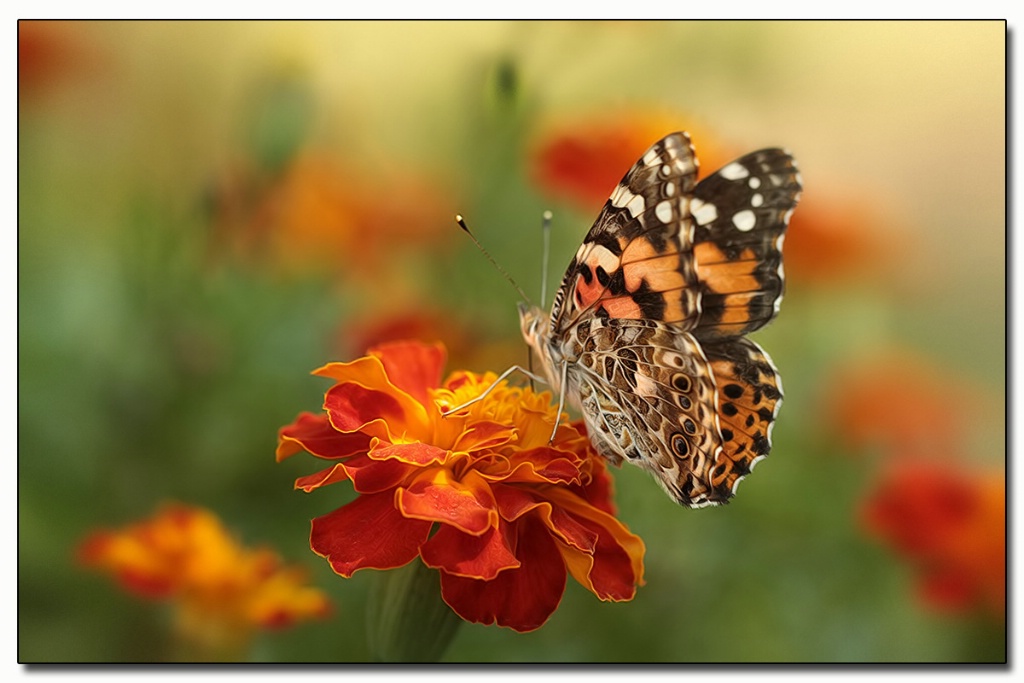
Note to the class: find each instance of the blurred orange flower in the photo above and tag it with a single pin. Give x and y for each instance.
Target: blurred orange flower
(322, 212)
(830, 239)
(222, 591)
(950, 523)
(480, 495)
(580, 161)
(901, 403)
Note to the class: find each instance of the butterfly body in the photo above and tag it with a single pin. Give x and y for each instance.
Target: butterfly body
(646, 333)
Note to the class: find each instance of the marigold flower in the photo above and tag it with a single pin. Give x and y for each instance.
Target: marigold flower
(222, 591)
(951, 525)
(480, 495)
(582, 160)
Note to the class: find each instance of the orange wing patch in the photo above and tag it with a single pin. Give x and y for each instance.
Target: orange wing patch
(749, 397)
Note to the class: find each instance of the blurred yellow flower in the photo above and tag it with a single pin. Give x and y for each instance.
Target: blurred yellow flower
(221, 590)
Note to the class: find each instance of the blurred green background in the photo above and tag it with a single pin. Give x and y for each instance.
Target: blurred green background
(209, 210)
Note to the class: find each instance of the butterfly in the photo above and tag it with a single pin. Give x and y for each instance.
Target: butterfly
(646, 335)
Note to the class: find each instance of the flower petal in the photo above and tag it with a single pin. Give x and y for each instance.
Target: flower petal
(459, 554)
(316, 435)
(438, 497)
(513, 502)
(615, 566)
(352, 408)
(412, 366)
(521, 599)
(415, 453)
(484, 435)
(374, 476)
(369, 374)
(332, 474)
(367, 533)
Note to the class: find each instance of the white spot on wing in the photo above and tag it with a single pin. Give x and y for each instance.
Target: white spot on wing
(754, 183)
(734, 171)
(702, 212)
(757, 200)
(787, 216)
(621, 196)
(650, 157)
(744, 220)
(664, 211)
(636, 205)
(670, 189)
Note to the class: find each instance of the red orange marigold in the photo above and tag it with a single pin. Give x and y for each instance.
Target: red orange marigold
(480, 495)
(220, 589)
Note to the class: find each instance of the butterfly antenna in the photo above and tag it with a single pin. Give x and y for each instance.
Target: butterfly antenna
(462, 224)
(546, 230)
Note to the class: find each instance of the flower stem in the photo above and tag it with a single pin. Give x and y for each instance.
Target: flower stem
(407, 620)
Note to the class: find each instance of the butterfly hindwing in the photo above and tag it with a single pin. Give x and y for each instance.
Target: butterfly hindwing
(749, 397)
(648, 396)
(635, 261)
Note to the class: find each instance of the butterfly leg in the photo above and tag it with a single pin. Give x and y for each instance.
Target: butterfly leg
(488, 390)
(561, 403)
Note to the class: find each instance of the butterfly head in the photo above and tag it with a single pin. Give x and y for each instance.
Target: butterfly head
(533, 322)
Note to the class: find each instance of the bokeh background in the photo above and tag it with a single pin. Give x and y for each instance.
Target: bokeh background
(209, 210)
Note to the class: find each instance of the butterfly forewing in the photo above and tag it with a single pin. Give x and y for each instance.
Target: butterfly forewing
(740, 214)
(635, 262)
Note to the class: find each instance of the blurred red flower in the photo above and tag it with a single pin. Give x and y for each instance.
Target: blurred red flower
(221, 590)
(580, 161)
(480, 495)
(50, 52)
(950, 523)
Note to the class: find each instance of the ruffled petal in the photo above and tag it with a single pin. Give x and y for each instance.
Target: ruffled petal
(367, 533)
(367, 476)
(316, 435)
(415, 453)
(412, 366)
(478, 557)
(332, 474)
(521, 599)
(368, 373)
(614, 568)
(513, 502)
(374, 476)
(484, 435)
(437, 496)
(354, 408)
(540, 465)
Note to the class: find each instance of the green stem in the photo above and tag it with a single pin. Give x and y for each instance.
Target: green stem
(407, 621)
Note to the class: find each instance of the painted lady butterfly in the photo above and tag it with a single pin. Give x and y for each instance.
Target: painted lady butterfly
(646, 333)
